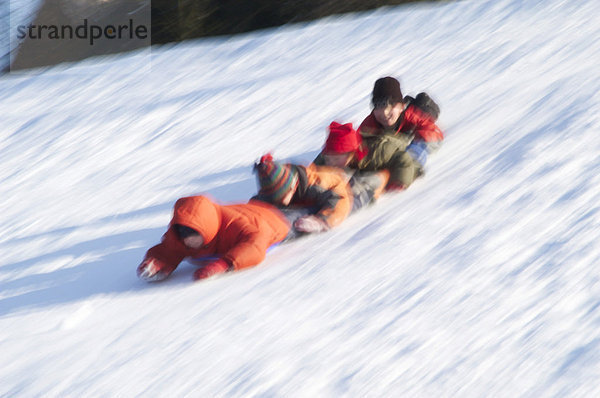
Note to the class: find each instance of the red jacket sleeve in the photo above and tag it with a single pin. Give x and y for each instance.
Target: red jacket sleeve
(423, 126)
(171, 251)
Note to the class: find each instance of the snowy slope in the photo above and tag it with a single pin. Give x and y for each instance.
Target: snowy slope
(480, 280)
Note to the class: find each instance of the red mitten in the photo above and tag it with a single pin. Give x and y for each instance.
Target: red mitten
(153, 270)
(310, 224)
(214, 268)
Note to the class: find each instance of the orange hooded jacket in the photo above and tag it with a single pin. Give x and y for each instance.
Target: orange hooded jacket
(240, 234)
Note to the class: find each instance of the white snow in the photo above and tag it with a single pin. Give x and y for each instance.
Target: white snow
(481, 280)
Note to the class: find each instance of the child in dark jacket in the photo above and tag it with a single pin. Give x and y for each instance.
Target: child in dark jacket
(393, 116)
(330, 193)
(324, 190)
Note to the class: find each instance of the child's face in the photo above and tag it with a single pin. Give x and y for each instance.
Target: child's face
(388, 115)
(189, 236)
(287, 198)
(195, 241)
(340, 160)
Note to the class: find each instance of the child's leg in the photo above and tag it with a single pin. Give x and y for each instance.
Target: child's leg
(402, 169)
(379, 181)
(367, 186)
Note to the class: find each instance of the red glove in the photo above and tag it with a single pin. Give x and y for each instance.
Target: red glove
(213, 268)
(310, 224)
(153, 270)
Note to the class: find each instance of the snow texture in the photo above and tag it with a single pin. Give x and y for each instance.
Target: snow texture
(481, 280)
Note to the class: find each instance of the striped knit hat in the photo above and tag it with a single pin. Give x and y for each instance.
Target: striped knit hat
(275, 179)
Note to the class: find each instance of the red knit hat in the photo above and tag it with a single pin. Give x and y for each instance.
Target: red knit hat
(343, 139)
(275, 179)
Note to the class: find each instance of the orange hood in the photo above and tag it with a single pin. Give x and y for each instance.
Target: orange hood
(199, 213)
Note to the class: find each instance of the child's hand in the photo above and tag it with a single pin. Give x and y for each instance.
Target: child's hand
(310, 224)
(214, 268)
(153, 270)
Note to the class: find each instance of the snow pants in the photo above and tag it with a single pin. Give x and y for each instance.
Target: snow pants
(404, 170)
(367, 186)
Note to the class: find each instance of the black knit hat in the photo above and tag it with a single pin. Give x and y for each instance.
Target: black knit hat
(386, 92)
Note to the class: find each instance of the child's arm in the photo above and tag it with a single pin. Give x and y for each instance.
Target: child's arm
(161, 260)
(170, 250)
(424, 128)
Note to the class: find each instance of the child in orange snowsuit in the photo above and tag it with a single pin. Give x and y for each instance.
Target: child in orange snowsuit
(239, 235)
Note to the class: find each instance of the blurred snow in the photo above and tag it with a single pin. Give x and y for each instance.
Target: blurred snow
(480, 280)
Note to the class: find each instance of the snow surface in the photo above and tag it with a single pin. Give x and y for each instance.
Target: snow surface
(481, 280)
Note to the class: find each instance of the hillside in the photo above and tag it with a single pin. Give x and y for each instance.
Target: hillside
(480, 280)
